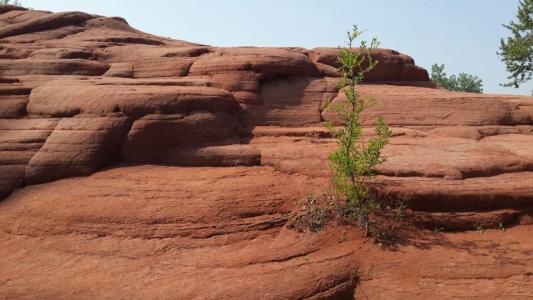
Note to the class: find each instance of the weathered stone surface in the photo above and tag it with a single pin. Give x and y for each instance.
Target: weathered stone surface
(172, 224)
(11, 177)
(205, 156)
(420, 106)
(196, 129)
(392, 66)
(80, 93)
(181, 229)
(269, 62)
(44, 23)
(137, 101)
(21, 67)
(7, 52)
(168, 139)
(290, 101)
(19, 141)
(13, 99)
(486, 264)
(77, 146)
(136, 53)
(13, 106)
(434, 172)
(8, 8)
(123, 69)
(61, 53)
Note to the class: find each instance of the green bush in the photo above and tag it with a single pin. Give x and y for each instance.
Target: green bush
(462, 82)
(354, 162)
(317, 210)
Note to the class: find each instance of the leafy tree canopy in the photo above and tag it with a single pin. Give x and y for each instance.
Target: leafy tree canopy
(517, 50)
(10, 2)
(462, 82)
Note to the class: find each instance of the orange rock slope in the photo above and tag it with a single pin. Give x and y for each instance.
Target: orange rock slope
(135, 166)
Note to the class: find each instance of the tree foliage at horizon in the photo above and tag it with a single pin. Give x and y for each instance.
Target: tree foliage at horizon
(353, 162)
(462, 82)
(517, 51)
(10, 2)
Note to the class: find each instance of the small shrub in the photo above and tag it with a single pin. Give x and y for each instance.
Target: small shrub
(353, 163)
(385, 230)
(321, 209)
(317, 210)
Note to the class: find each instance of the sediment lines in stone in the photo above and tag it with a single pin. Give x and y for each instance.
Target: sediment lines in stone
(137, 115)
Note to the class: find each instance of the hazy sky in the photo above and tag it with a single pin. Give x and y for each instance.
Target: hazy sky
(462, 34)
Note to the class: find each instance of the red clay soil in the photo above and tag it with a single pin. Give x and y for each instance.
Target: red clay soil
(135, 166)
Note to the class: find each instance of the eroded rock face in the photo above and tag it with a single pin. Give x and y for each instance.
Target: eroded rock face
(80, 93)
(70, 150)
(392, 66)
(173, 94)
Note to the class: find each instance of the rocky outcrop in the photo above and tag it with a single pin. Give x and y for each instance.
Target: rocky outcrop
(49, 21)
(190, 159)
(392, 66)
(174, 94)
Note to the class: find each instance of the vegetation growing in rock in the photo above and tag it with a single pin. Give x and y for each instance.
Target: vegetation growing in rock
(354, 162)
(317, 209)
(10, 2)
(517, 50)
(462, 82)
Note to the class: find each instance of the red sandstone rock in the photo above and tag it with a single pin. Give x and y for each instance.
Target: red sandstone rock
(72, 99)
(80, 92)
(196, 129)
(168, 139)
(269, 62)
(290, 101)
(8, 8)
(392, 66)
(13, 99)
(77, 146)
(419, 106)
(19, 141)
(20, 67)
(47, 22)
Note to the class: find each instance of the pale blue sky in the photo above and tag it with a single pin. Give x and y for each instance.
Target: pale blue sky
(463, 34)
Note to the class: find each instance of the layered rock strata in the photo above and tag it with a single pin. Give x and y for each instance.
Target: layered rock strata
(193, 158)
